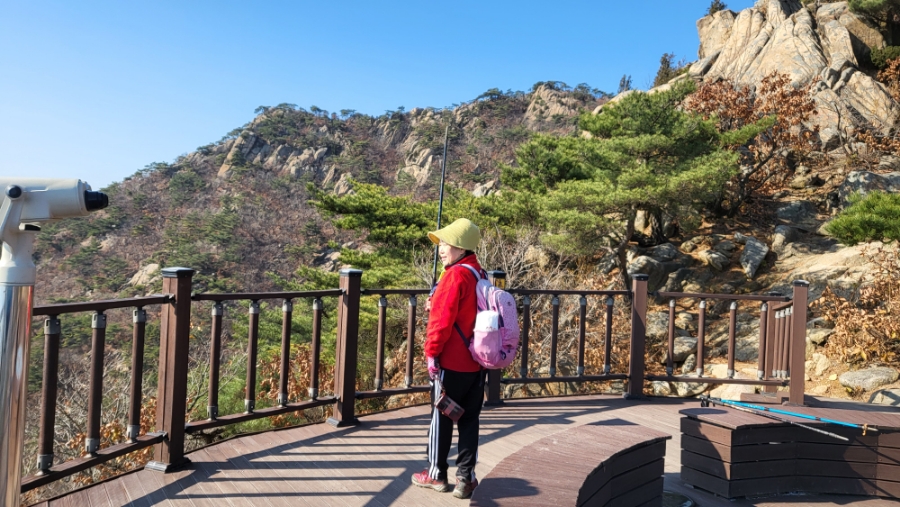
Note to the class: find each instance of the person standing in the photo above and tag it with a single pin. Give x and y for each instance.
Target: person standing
(453, 306)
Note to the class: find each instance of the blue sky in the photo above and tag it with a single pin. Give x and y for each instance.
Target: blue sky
(99, 89)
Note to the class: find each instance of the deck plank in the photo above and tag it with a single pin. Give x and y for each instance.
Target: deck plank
(131, 483)
(117, 494)
(304, 480)
(198, 485)
(97, 496)
(234, 479)
(370, 465)
(260, 473)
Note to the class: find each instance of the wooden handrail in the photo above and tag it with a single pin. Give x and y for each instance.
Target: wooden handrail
(725, 297)
(555, 292)
(256, 296)
(101, 306)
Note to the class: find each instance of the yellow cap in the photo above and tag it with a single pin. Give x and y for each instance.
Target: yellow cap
(461, 234)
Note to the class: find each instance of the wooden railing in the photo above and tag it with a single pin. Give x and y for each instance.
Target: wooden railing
(778, 352)
(284, 406)
(47, 472)
(782, 342)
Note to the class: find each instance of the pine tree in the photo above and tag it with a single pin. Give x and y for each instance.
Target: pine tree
(668, 69)
(881, 9)
(873, 218)
(644, 153)
(397, 227)
(624, 84)
(716, 6)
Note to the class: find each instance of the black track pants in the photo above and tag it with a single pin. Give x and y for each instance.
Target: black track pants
(467, 389)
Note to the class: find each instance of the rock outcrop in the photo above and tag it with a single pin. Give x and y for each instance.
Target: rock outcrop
(863, 182)
(547, 103)
(825, 47)
(714, 32)
(870, 378)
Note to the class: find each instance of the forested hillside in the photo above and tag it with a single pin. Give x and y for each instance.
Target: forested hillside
(773, 157)
(237, 210)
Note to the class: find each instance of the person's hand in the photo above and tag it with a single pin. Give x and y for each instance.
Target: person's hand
(434, 368)
(428, 304)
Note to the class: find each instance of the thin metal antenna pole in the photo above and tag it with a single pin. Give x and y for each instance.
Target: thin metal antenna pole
(440, 204)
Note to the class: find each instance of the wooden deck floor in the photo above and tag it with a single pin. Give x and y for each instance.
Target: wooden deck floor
(371, 464)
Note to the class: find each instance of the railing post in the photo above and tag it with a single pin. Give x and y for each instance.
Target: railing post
(287, 312)
(771, 338)
(492, 386)
(701, 336)
(315, 348)
(171, 402)
(410, 339)
(215, 355)
(798, 352)
(139, 317)
(638, 336)
(346, 349)
(252, 354)
(379, 348)
(95, 398)
(49, 391)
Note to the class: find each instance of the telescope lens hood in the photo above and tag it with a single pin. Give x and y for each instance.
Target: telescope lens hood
(94, 201)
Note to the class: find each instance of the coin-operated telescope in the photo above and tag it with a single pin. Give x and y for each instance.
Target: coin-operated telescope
(25, 203)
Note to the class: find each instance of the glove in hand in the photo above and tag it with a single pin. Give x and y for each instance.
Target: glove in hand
(434, 368)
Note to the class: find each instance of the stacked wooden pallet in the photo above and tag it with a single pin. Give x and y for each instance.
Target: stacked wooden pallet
(594, 465)
(735, 454)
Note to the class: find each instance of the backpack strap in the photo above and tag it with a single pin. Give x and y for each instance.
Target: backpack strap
(467, 340)
(462, 335)
(475, 273)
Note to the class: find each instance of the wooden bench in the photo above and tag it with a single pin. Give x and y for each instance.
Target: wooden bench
(735, 454)
(615, 463)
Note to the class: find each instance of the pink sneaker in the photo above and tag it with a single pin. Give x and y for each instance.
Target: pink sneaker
(464, 488)
(423, 480)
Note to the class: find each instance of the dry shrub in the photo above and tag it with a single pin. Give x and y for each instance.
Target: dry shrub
(299, 381)
(767, 157)
(890, 76)
(867, 325)
(879, 142)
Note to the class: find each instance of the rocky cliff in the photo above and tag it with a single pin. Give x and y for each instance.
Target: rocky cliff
(826, 44)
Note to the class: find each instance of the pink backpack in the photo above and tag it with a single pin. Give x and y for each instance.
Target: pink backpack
(496, 334)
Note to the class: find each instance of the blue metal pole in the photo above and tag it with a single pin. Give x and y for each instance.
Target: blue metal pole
(797, 414)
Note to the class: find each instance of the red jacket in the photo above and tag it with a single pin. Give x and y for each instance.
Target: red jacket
(453, 302)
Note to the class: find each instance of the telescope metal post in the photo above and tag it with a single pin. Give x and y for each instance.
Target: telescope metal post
(17, 275)
(15, 315)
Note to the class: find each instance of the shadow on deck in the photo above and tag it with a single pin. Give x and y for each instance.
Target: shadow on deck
(370, 464)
